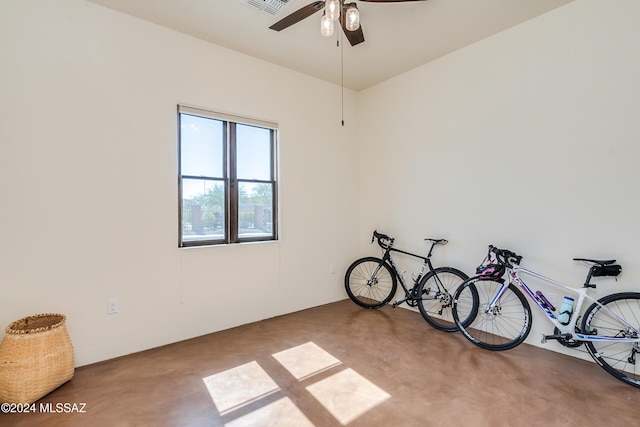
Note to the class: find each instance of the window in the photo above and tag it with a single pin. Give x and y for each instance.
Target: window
(227, 178)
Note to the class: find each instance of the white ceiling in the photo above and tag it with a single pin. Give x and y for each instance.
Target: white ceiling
(398, 36)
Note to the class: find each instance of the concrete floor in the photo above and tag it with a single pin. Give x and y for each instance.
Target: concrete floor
(337, 365)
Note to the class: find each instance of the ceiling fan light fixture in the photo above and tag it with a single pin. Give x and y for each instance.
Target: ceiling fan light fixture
(332, 9)
(326, 26)
(352, 17)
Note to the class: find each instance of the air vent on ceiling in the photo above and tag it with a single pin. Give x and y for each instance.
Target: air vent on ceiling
(270, 6)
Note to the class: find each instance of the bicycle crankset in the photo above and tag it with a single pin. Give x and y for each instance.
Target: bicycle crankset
(569, 343)
(413, 297)
(412, 302)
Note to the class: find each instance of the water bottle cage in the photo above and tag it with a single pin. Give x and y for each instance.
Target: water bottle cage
(565, 311)
(568, 320)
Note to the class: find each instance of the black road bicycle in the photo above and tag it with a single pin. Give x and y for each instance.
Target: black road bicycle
(372, 282)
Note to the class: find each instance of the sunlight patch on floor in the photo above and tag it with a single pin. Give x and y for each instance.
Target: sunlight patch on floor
(239, 386)
(306, 360)
(347, 395)
(281, 413)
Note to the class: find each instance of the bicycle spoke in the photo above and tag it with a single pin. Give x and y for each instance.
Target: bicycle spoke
(435, 301)
(503, 326)
(370, 283)
(617, 317)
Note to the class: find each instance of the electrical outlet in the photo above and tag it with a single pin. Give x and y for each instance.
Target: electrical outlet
(112, 306)
(332, 269)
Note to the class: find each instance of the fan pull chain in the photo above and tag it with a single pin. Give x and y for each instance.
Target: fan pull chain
(341, 45)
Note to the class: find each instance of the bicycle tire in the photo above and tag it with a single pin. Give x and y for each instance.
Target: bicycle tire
(369, 290)
(507, 326)
(617, 358)
(434, 305)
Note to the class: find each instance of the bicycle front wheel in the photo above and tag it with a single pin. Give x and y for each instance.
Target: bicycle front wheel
(615, 316)
(370, 282)
(435, 293)
(506, 325)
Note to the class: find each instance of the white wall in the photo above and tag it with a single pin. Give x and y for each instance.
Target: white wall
(527, 140)
(546, 111)
(89, 180)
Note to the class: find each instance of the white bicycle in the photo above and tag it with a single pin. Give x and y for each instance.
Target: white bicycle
(609, 327)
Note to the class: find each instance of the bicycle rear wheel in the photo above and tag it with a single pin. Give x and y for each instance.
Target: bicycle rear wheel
(618, 316)
(370, 282)
(435, 291)
(504, 326)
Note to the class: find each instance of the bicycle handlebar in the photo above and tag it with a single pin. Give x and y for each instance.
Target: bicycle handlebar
(384, 241)
(505, 256)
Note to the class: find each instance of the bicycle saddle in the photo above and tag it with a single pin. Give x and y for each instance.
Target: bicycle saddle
(437, 241)
(596, 261)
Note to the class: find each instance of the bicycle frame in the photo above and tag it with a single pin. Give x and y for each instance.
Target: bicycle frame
(426, 263)
(570, 328)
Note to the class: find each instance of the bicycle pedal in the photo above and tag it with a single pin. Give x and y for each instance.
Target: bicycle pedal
(544, 337)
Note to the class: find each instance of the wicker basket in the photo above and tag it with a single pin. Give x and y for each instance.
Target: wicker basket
(36, 357)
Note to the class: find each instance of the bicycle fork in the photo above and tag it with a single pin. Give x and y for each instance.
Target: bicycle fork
(493, 307)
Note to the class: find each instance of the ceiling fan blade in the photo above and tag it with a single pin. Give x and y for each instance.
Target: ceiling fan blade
(354, 37)
(298, 15)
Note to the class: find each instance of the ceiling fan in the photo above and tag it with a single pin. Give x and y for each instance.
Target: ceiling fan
(334, 10)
